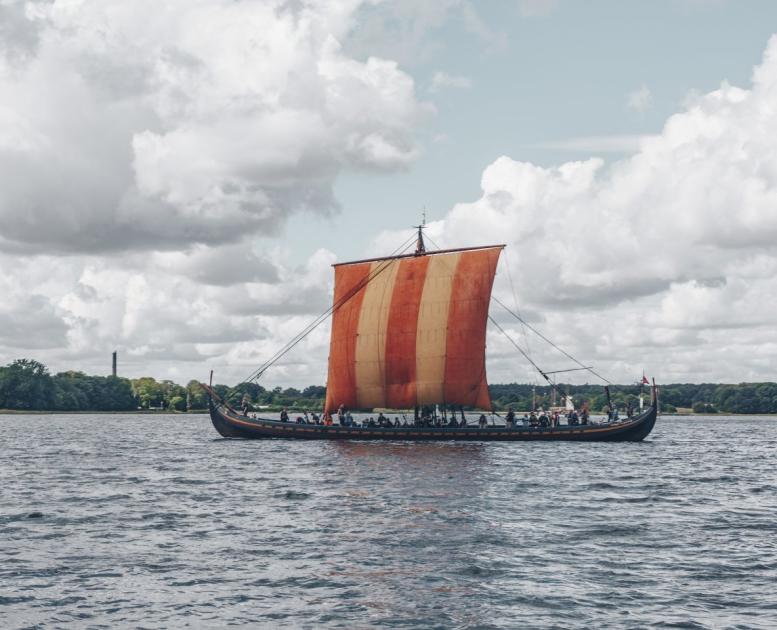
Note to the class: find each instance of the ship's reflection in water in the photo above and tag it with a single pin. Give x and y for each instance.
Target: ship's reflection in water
(413, 453)
(150, 522)
(434, 491)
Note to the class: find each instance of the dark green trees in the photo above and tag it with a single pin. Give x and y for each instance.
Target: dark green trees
(26, 384)
(75, 391)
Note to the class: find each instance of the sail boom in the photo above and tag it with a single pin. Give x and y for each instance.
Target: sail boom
(434, 253)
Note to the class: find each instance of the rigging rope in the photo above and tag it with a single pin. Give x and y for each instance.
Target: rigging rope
(256, 374)
(515, 301)
(321, 318)
(518, 347)
(545, 339)
(525, 325)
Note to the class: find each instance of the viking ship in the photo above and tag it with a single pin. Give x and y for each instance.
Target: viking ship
(409, 333)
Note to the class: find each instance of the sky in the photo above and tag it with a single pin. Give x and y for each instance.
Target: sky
(178, 176)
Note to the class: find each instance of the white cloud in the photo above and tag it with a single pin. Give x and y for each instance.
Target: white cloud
(130, 125)
(169, 315)
(144, 148)
(665, 259)
(442, 80)
(640, 99)
(31, 321)
(182, 133)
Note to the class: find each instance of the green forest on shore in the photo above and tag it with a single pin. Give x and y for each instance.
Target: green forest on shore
(27, 385)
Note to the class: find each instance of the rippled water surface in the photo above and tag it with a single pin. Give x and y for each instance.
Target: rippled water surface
(154, 521)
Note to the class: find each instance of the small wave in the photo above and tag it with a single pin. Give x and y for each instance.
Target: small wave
(294, 495)
(19, 599)
(601, 485)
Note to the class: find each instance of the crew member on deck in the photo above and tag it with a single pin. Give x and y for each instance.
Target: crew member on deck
(284, 415)
(510, 420)
(482, 422)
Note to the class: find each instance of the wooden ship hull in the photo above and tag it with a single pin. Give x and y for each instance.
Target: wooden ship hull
(409, 332)
(231, 424)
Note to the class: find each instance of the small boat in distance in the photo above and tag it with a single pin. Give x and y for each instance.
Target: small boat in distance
(409, 332)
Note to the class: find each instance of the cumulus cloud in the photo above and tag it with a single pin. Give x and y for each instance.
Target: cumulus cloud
(144, 152)
(147, 151)
(130, 126)
(665, 259)
(221, 266)
(167, 314)
(32, 321)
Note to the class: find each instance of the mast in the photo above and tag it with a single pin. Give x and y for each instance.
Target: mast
(420, 247)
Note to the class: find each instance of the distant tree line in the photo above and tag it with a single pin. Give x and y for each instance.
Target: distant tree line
(26, 384)
(701, 398)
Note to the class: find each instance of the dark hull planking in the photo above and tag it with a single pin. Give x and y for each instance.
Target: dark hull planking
(232, 425)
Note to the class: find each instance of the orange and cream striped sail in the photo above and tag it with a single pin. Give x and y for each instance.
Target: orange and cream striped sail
(411, 330)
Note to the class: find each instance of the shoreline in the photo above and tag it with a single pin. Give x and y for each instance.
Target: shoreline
(139, 412)
(193, 412)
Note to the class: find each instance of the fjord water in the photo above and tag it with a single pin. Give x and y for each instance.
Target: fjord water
(155, 521)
